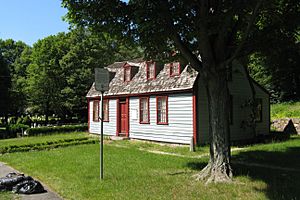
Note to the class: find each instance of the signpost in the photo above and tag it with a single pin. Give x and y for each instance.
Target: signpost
(101, 84)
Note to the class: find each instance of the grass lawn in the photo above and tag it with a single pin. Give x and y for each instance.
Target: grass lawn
(285, 110)
(131, 173)
(7, 196)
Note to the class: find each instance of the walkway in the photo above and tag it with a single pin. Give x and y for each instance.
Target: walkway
(49, 195)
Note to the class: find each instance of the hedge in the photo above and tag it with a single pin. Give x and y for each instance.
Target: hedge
(47, 145)
(55, 129)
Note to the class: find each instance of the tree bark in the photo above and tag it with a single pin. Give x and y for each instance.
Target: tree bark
(218, 168)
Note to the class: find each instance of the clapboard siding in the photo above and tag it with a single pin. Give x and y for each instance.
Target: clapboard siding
(240, 90)
(180, 113)
(109, 127)
(263, 127)
(180, 120)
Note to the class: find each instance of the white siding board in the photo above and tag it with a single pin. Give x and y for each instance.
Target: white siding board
(180, 119)
(240, 89)
(109, 127)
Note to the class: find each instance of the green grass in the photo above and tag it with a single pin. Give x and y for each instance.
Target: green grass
(7, 196)
(162, 147)
(285, 110)
(130, 173)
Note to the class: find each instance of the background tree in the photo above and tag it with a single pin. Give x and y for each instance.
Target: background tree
(276, 62)
(88, 51)
(45, 76)
(209, 35)
(61, 70)
(4, 87)
(11, 52)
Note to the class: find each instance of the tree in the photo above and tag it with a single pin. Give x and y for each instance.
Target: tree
(209, 35)
(61, 70)
(11, 53)
(4, 87)
(88, 51)
(276, 64)
(45, 76)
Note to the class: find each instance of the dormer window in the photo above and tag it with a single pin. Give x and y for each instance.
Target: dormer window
(151, 70)
(174, 69)
(127, 73)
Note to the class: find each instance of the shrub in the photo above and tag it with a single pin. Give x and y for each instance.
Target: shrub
(47, 145)
(55, 129)
(13, 129)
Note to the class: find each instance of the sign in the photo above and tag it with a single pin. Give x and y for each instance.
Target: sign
(101, 79)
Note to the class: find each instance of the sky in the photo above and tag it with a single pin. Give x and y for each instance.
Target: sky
(31, 20)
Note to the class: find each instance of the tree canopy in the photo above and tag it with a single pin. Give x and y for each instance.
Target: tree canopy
(208, 34)
(53, 76)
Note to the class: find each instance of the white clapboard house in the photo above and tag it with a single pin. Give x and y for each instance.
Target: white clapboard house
(168, 103)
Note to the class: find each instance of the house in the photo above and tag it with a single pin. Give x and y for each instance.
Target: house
(168, 103)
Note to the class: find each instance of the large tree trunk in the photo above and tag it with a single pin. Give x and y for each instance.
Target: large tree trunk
(218, 168)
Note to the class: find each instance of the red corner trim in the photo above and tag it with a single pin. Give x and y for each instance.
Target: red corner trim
(195, 119)
(118, 117)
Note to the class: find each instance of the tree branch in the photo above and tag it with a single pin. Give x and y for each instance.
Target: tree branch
(187, 53)
(248, 29)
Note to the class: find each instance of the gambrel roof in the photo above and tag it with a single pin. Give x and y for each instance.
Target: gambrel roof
(139, 83)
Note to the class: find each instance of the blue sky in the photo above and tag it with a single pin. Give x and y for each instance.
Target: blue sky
(30, 20)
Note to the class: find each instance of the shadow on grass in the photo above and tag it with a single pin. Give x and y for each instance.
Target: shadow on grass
(279, 170)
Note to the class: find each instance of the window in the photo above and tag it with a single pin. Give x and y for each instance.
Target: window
(162, 109)
(106, 110)
(151, 70)
(174, 69)
(144, 110)
(258, 110)
(127, 73)
(96, 111)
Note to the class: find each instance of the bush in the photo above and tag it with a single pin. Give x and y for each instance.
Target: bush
(46, 145)
(13, 129)
(55, 129)
(24, 120)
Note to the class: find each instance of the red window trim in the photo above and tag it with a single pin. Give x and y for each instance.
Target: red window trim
(167, 110)
(97, 103)
(127, 67)
(140, 113)
(147, 71)
(170, 71)
(107, 101)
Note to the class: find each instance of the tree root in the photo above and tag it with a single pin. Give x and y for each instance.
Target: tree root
(215, 174)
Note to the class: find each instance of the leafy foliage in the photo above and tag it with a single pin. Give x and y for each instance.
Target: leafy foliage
(55, 129)
(11, 52)
(46, 145)
(5, 83)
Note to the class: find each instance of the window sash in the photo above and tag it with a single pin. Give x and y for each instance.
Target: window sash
(150, 70)
(162, 110)
(105, 110)
(174, 69)
(144, 110)
(96, 111)
(127, 74)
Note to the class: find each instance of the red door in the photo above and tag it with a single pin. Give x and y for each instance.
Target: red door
(123, 115)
